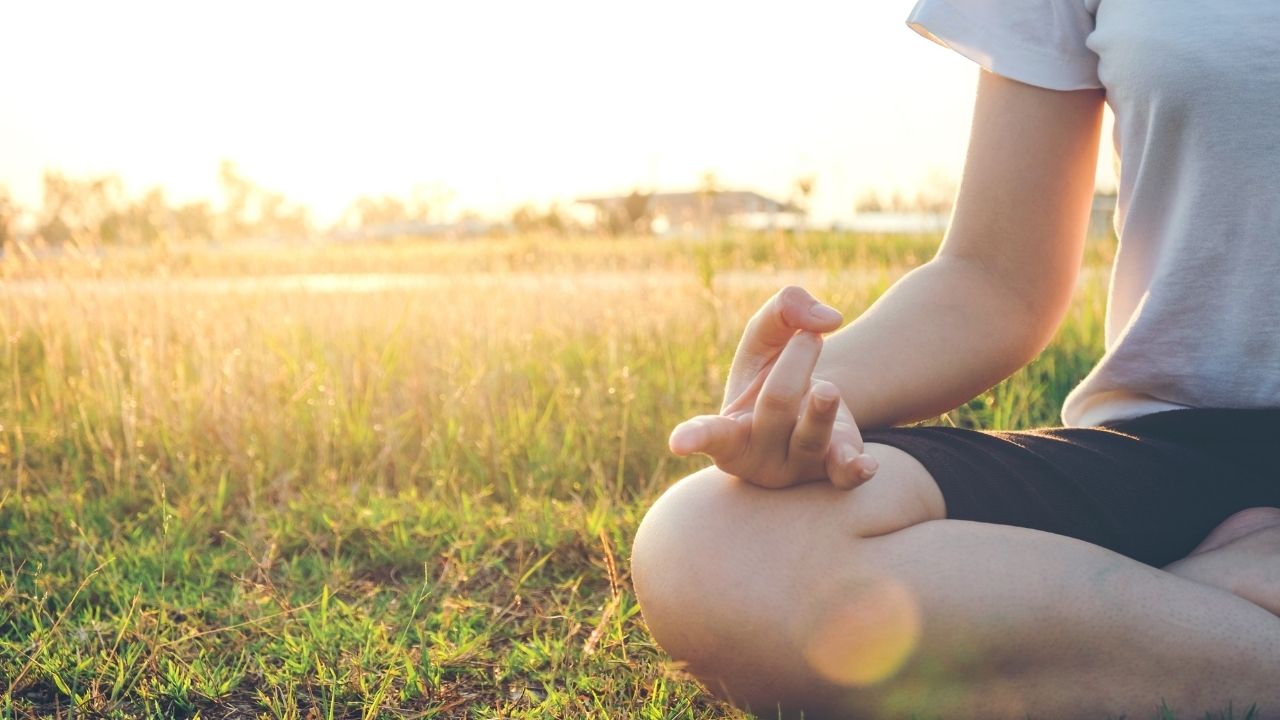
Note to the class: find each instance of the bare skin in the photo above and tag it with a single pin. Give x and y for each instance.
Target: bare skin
(1242, 555)
(760, 593)
(853, 596)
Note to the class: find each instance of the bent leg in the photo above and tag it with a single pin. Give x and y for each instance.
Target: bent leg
(811, 599)
(1241, 555)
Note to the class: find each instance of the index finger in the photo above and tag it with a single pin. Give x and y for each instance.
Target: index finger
(792, 308)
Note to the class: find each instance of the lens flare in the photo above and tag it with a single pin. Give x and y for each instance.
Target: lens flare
(867, 639)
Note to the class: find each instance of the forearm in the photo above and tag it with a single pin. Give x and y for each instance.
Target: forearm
(940, 336)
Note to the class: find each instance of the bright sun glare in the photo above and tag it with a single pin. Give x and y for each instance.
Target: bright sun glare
(492, 103)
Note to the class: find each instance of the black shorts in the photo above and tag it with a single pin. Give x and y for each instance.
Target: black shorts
(1150, 488)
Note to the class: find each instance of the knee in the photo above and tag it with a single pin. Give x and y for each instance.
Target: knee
(678, 563)
(730, 576)
(710, 594)
(710, 531)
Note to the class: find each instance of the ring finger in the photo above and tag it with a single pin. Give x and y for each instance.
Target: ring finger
(812, 435)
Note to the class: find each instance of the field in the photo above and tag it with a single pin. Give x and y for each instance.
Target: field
(241, 482)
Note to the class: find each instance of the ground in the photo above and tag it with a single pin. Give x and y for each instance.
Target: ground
(239, 482)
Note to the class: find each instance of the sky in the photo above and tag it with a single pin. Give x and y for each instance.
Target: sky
(491, 104)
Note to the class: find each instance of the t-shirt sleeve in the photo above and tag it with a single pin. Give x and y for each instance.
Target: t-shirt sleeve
(1038, 42)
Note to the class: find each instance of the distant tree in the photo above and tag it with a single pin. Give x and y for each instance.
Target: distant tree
(97, 211)
(631, 216)
(427, 202)
(84, 212)
(898, 202)
(280, 219)
(237, 195)
(868, 201)
(251, 211)
(555, 219)
(368, 212)
(708, 189)
(709, 185)
(804, 189)
(637, 212)
(528, 219)
(381, 211)
(194, 221)
(8, 218)
(801, 196)
(936, 193)
(143, 221)
(525, 218)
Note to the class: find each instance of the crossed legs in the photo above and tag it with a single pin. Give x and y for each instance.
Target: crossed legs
(867, 603)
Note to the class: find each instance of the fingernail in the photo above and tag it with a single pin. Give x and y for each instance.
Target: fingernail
(825, 313)
(822, 401)
(869, 466)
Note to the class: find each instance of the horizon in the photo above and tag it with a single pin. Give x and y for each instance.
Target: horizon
(558, 102)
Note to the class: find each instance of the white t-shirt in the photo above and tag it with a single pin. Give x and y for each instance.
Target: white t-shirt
(1193, 311)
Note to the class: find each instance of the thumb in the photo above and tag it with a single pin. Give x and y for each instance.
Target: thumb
(723, 438)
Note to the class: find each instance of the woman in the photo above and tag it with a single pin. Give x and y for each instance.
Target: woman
(1129, 559)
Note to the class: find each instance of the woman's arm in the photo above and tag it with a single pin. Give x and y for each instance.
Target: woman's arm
(1002, 280)
(982, 308)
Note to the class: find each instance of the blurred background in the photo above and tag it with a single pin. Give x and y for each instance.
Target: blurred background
(291, 120)
(339, 343)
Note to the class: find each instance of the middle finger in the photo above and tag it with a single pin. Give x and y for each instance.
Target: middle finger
(778, 404)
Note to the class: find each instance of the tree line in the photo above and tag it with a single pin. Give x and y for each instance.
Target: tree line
(93, 211)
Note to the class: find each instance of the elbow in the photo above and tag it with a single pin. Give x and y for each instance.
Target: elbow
(1034, 322)
(1026, 305)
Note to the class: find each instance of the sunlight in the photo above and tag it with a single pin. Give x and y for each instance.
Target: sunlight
(867, 640)
(500, 102)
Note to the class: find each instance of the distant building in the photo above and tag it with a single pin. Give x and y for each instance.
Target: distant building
(880, 222)
(908, 222)
(465, 228)
(690, 211)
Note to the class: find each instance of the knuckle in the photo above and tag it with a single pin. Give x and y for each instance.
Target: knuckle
(772, 400)
(792, 294)
(731, 453)
(730, 467)
(789, 300)
(847, 429)
(808, 444)
(757, 468)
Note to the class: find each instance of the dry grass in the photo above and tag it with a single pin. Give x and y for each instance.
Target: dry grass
(344, 500)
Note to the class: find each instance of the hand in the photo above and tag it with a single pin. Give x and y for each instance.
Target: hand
(791, 310)
(779, 427)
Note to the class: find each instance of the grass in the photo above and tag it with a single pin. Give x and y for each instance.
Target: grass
(382, 501)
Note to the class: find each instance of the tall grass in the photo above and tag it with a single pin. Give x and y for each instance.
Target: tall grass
(380, 501)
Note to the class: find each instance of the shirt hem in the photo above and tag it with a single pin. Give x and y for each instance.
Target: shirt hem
(1113, 407)
(999, 53)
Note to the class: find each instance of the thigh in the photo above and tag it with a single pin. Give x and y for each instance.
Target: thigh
(901, 494)
(783, 598)
(712, 530)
